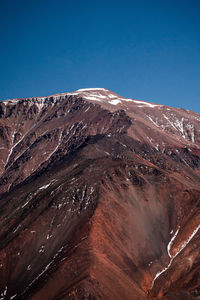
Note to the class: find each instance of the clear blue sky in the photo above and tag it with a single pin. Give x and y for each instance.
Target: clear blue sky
(145, 49)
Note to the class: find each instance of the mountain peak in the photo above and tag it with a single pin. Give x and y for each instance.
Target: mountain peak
(102, 95)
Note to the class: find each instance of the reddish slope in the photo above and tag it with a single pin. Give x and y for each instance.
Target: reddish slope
(99, 198)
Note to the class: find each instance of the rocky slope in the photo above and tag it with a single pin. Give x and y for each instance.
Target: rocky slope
(99, 198)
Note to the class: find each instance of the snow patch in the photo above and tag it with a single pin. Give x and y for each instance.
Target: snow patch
(25, 204)
(114, 102)
(171, 241)
(40, 104)
(41, 249)
(90, 89)
(182, 246)
(3, 294)
(152, 121)
(49, 236)
(127, 99)
(15, 230)
(45, 186)
(146, 103)
(95, 98)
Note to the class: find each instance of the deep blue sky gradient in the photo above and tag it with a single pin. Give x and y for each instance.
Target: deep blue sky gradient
(145, 49)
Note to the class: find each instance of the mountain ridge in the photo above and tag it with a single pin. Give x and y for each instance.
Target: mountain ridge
(76, 92)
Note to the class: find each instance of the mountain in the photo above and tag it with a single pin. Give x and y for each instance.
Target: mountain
(99, 198)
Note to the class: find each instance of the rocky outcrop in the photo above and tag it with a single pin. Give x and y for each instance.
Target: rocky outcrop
(99, 198)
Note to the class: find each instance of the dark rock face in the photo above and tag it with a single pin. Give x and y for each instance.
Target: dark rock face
(99, 198)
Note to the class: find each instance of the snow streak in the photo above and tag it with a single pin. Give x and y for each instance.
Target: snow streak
(180, 248)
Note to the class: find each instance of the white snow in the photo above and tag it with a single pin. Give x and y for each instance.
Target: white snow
(181, 247)
(10, 101)
(114, 102)
(95, 98)
(100, 96)
(90, 89)
(111, 96)
(56, 148)
(14, 145)
(73, 93)
(171, 241)
(17, 228)
(47, 266)
(87, 109)
(3, 294)
(49, 236)
(146, 103)
(185, 129)
(192, 131)
(188, 240)
(91, 190)
(94, 94)
(44, 186)
(3, 162)
(127, 99)
(171, 123)
(40, 104)
(152, 121)
(179, 125)
(25, 204)
(41, 249)
(12, 297)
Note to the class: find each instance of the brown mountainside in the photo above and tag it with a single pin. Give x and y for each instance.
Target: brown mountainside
(99, 198)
